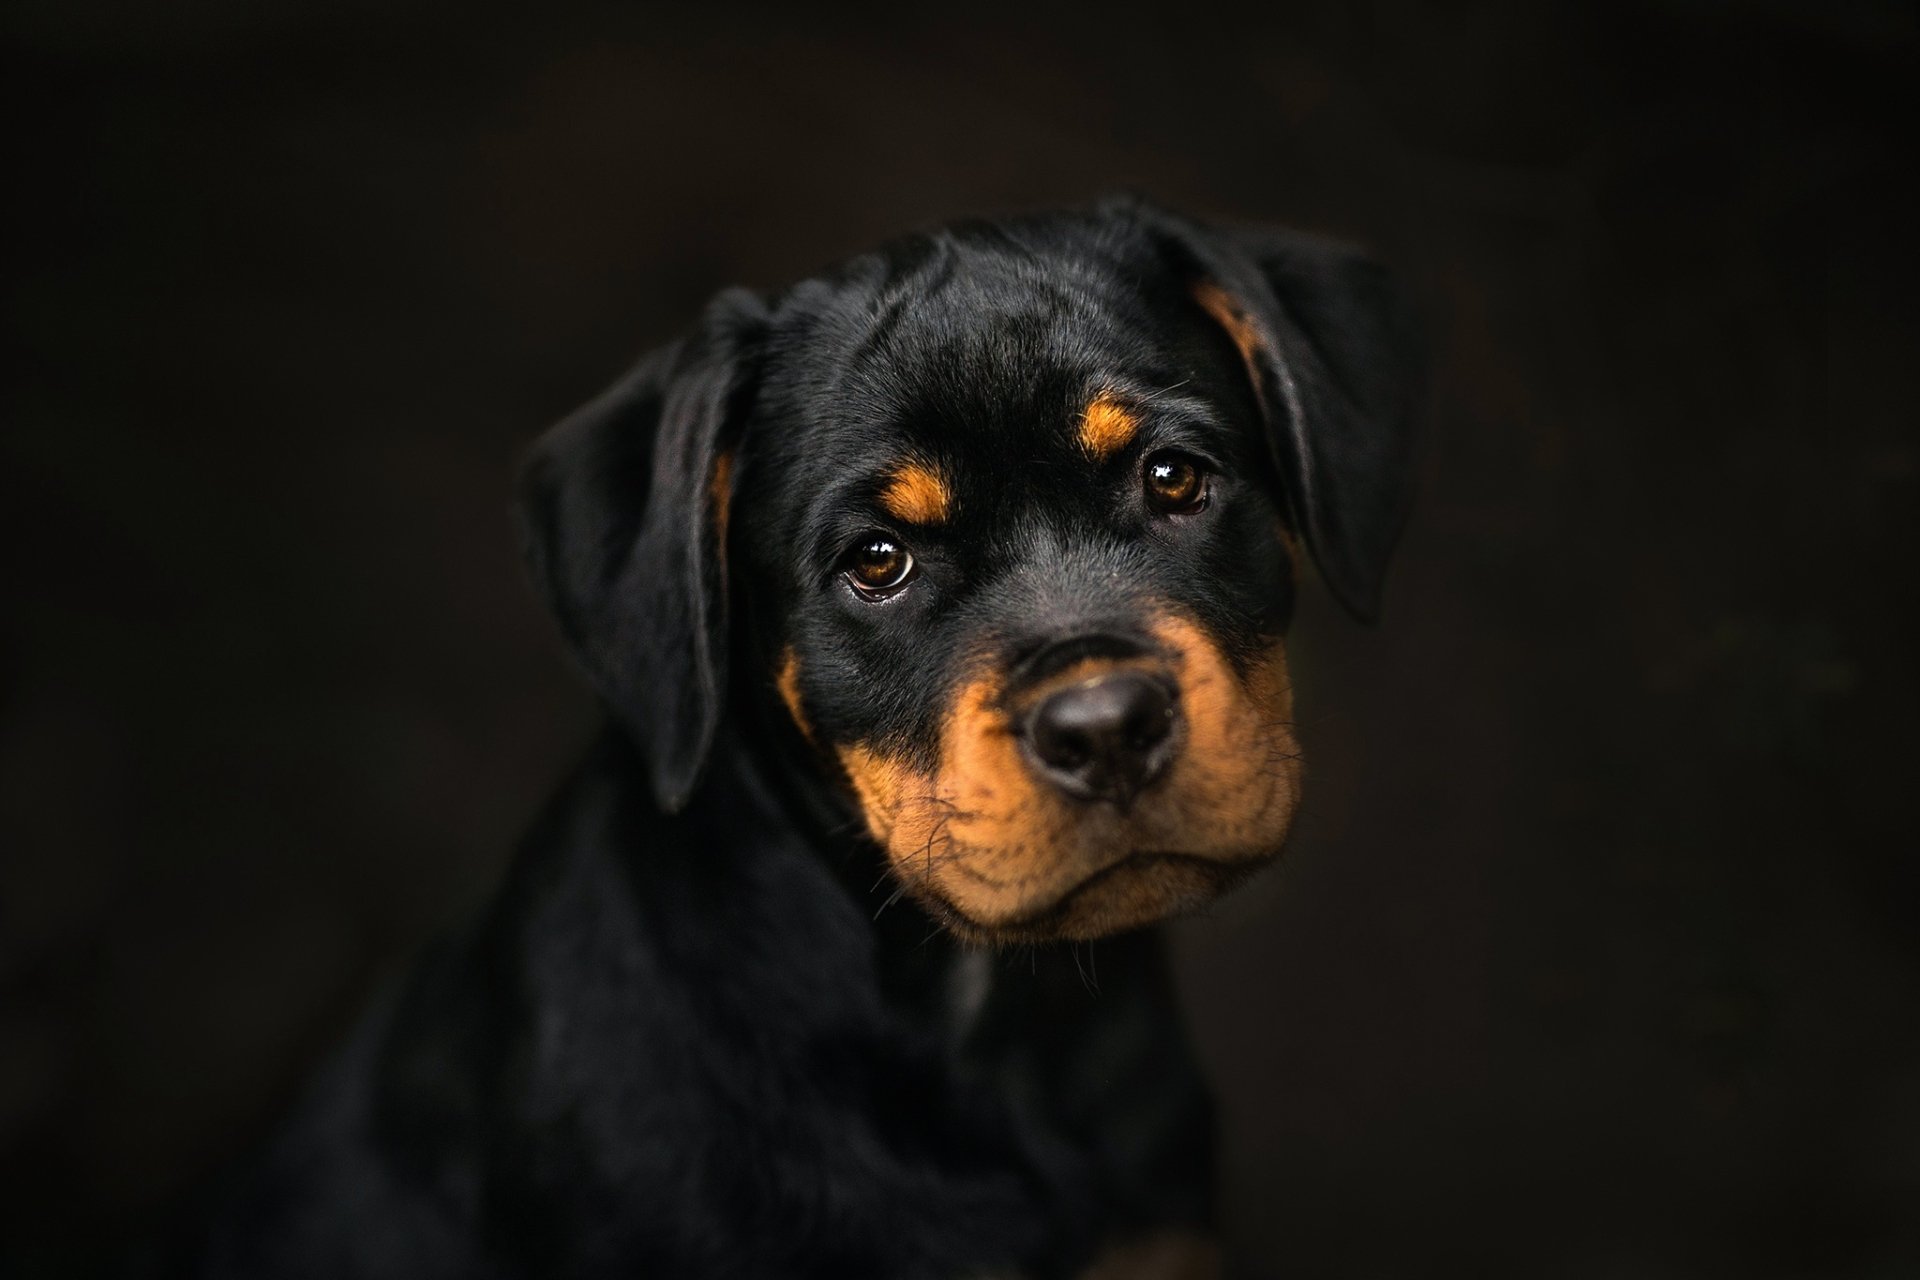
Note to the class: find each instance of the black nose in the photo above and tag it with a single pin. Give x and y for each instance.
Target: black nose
(1104, 739)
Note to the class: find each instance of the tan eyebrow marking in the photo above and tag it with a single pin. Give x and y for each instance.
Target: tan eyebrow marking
(917, 494)
(1107, 426)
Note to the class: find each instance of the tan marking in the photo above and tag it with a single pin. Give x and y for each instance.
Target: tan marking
(720, 493)
(1229, 314)
(1107, 426)
(880, 783)
(917, 494)
(1003, 856)
(788, 683)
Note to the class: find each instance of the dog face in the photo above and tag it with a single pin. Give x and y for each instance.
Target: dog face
(1005, 521)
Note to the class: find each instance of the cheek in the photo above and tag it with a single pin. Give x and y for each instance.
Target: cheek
(1247, 573)
(1237, 780)
(882, 786)
(1012, 826)
(972, 830)
(975, 791)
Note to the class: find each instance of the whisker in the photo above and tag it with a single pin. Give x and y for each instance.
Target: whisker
(1085, 985)
(891, 899)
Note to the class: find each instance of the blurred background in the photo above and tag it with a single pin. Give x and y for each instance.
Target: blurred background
(1598, 950)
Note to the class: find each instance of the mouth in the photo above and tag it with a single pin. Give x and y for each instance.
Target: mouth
(1140, 889)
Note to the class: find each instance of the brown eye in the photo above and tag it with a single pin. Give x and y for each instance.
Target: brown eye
(878, 566)
(1175, 484)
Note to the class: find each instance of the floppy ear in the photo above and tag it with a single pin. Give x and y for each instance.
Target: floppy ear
(624, 513)
(1331, 347)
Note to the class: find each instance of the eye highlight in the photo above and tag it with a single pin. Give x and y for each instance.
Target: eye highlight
(877, 566)
(1175, 483)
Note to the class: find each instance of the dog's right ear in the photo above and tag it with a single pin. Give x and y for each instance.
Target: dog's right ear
(1332, 352)
(624, 513)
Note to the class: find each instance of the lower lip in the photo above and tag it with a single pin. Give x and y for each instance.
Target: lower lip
(1130, 863)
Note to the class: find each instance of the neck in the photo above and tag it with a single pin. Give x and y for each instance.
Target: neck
(918, 963)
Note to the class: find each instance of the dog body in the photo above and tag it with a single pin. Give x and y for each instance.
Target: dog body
(678, 1047)
(939, 603)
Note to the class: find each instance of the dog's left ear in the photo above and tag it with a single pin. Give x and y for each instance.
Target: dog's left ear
(624, 515)
(1330, 344)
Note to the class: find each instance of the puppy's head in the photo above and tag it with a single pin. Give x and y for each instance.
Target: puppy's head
(1004, 521)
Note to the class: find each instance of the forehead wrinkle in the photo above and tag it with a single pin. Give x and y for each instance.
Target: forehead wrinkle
(977, 313)
(944, 334)
(908, 288)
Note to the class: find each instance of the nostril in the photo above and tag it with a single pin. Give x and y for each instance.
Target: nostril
(1149, 718)
(1067, 748)
(1147, 712)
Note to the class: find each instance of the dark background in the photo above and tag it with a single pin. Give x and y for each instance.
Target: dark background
(1596, 954)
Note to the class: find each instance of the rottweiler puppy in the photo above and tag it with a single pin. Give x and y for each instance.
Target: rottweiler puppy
(939, 603)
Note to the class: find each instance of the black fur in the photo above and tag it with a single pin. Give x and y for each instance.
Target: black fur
(694, 1035)
(621, 537)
